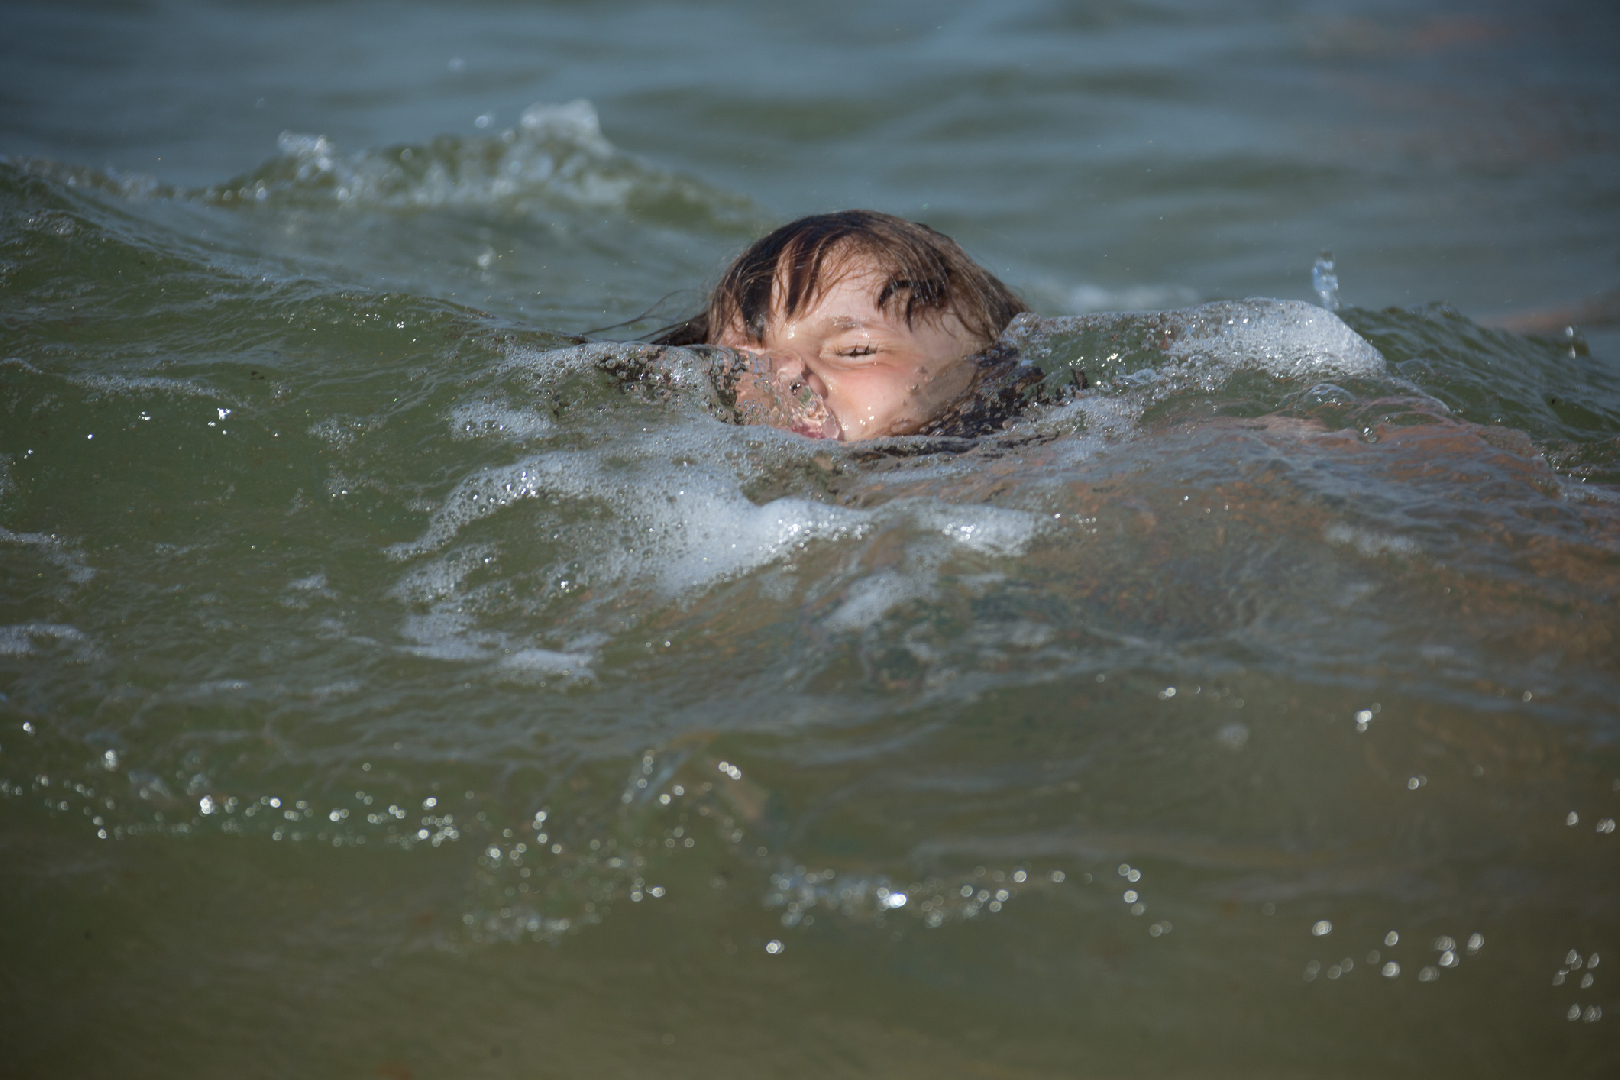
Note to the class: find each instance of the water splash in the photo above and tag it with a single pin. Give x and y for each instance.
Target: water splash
(555, 157)
(1325, 281)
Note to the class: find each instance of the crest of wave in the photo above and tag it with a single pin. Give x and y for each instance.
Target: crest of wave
(1286, 339)
(556, 153)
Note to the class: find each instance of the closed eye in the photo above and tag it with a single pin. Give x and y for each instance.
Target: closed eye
(858, 350)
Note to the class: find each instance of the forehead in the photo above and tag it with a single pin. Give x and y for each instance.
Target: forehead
(845, 291)
(852, 288)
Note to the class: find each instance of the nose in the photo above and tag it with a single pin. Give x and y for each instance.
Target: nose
(793, 374)
(799, 393)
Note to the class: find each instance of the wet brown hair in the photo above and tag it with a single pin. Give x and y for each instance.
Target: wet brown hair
(925, 274)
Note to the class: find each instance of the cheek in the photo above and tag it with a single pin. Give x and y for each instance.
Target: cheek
(873, 393)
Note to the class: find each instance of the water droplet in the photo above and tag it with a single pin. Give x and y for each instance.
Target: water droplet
(1326, 281)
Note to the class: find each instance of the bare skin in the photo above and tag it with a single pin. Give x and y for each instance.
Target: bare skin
(868, 374)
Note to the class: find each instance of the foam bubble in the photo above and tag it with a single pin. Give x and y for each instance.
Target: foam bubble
(55, 552)
(499, 421)
(986, 529)
(441, 577)
(450, 635)
(340, 432)
(24, 639)
(869, 599)
(546, 662)
(1287, 339)
(1159, 351)
(118, 385)
(556, 153)
(1370, 543)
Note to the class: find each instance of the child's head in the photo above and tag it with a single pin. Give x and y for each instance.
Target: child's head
(876, 315)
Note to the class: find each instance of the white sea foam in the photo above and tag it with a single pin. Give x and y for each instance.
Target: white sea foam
(450, 635)
(55, 551)
(498, 421)
(869, 599)
(684, 527)
(1370, 543)
(1288, 339)
(668, 511)
(555, 153)
(26, 639)
(441, 577)
(985, 529)
(340, 432)
(118, 385)
(549, 662)
(123, 385)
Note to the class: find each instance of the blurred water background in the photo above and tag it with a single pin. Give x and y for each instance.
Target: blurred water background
(388, 689)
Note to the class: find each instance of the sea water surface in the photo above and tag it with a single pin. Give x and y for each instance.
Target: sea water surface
(404, 674)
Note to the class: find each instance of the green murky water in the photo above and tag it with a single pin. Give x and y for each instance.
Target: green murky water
(389, 689)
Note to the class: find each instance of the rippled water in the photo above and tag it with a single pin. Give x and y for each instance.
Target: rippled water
(396, 684)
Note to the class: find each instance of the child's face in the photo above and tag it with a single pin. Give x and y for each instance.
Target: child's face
(876, 375)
